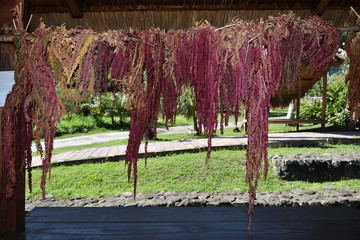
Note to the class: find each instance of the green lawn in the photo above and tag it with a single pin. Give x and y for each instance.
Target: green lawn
(182, 172)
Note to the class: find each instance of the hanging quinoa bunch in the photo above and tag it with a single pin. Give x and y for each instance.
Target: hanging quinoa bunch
(35, 104)
(243, 65)
(261, 57)
(146, 83)
(231, 88)
(134, 86)
(203, 47)
(120, 66)
(171, 85)
(45, 101)
(286, 30)
(177, 59)
(353, 77)
(320, 43)
(66, 54)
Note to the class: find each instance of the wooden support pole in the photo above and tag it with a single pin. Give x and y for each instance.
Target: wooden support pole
(75, 7)
(323, 109)
(298, 106)
(12, 211)
(245, 121)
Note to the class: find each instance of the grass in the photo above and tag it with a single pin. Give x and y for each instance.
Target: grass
(182, 172)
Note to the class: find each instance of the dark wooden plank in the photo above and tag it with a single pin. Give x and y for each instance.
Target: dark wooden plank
(210, 230)
(195, 214)
(135, 214)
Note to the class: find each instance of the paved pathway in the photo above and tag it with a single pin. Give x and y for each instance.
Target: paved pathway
(115, 153)
(110, 136)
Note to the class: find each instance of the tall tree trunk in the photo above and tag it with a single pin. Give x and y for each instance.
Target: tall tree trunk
(196, 127)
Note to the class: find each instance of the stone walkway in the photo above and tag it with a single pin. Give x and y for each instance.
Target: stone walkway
(116, 153)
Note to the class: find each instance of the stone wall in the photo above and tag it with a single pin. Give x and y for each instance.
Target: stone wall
(312, 167)
(328, 195)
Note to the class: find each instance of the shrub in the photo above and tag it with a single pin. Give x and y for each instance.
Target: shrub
(73, 123)
(186, 106)
(107, 105)
(336, 111)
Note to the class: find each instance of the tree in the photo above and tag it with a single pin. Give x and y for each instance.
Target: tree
(187, 106)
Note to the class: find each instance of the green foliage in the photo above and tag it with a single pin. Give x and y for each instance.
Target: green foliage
(72, 123)
(96, 112)
(108, 105)
(336, 111)
(186, 105)
(70, 105)
(310, 109)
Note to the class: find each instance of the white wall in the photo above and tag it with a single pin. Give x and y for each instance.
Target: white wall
(6, 83)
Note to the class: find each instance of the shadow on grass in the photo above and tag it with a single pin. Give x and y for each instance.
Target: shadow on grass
(322, 145)
(123, 126)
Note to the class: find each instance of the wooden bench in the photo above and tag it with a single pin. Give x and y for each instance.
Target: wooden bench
(295, 121)
(292, 121)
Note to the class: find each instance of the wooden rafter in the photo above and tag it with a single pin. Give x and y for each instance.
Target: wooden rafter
(6, 39)
(75, 7)
(355, 28)
(174, 7)
(320, 6)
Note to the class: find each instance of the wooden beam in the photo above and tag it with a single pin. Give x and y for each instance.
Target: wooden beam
(174, 7)
(26, 15)
(76, 8)
(320, 6)
(294, 121)
(323, 108)
(6, 39)
(355, 28)
(12, 211)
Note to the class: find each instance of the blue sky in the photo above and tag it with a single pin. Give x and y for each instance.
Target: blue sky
(6, 82)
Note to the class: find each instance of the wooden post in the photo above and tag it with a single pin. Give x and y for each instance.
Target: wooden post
(12, 211)
(245, 121)
(323, 109)
(298, 107)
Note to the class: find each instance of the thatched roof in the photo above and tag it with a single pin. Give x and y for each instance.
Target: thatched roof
(101, 15)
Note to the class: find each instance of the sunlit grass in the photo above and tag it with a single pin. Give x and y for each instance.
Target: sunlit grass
(182, 172)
